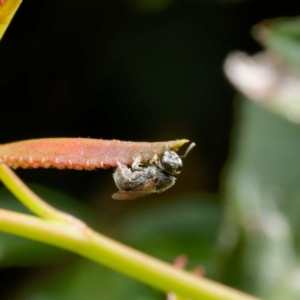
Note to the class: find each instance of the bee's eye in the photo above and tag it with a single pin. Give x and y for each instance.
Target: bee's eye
(171, 163)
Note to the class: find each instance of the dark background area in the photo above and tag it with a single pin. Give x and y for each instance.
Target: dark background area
(106, 69)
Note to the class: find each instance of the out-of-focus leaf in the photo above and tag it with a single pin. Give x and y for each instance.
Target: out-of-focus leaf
(186, 226)
(261, 231)
(17, 251)
(7, 10)
(267, 81)
(281, 36)
(271, 78)
(85, 280)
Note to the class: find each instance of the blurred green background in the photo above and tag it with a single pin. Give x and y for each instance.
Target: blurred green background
(153, 71)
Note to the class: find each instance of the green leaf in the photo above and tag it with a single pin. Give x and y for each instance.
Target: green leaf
(261, 231)
(187, 225)
(85, 280)
(282, 36)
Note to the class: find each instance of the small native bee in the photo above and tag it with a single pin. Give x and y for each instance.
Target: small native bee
(142, 180)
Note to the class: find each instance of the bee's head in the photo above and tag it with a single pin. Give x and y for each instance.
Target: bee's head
(171, 162)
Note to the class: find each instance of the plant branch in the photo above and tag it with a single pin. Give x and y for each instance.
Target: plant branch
(56, 229)
(33, 202)
(103, 250)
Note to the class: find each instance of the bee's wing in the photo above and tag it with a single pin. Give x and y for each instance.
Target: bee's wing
(138, 192)
(123, 195)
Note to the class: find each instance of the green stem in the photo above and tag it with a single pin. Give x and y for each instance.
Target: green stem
(101, 249)
(75, 236)
(33, 202)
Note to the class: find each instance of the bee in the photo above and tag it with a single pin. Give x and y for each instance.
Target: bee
(140, 180)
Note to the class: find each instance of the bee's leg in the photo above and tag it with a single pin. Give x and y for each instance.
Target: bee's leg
(136, 165)
(167, 148)
(154, 160)
(122, 177)
(123, 171)
(130, 174)
(127, 179)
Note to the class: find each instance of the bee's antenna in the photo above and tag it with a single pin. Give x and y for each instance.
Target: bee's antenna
(191, 146)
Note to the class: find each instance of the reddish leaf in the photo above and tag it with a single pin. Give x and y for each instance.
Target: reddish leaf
(78, 153)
